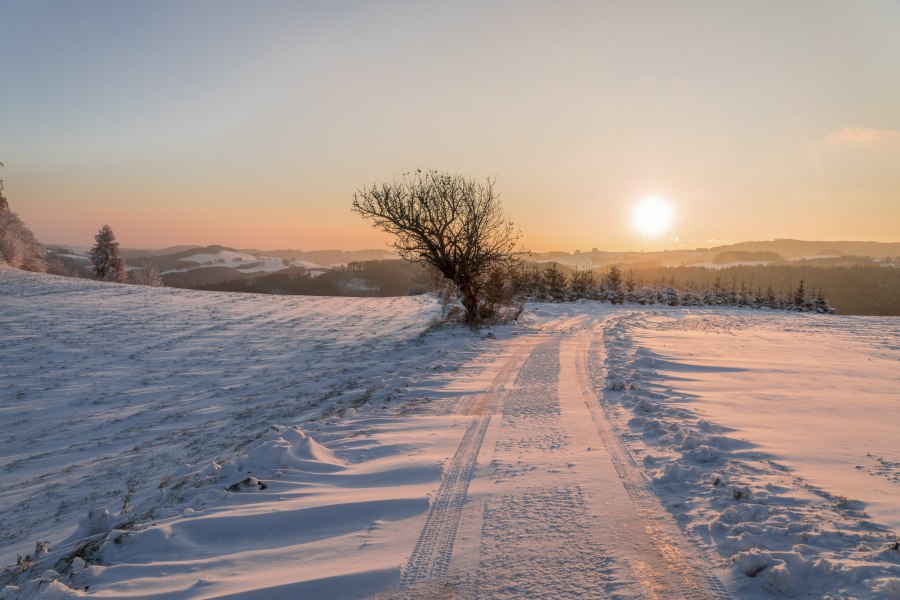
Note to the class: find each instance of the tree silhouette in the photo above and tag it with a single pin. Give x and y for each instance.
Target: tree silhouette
(447, 221)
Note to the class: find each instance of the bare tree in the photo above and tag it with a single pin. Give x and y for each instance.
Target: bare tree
(447, 221)
(147, 274)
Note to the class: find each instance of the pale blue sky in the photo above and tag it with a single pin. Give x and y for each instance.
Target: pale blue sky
(251, 124)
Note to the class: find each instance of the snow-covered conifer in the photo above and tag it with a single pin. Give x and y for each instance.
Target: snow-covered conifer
(612, 285)
(582, 284)
(108, 264)
(821, 304)
(555, 283)
(670, 297)
(630, 288)
(799, 301)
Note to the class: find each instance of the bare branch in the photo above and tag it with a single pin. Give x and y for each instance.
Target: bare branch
(454, 224)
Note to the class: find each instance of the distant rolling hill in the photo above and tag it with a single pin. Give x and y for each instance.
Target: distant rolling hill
(743, 253)
(858, 277)
(197, 266)
(798, 249)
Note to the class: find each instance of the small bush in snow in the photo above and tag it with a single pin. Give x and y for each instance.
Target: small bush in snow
(147, 274)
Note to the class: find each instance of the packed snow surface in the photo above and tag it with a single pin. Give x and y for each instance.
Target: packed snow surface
(182, 444)
(822, 395)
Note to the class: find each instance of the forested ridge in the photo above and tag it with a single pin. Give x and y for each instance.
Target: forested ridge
(856, 289)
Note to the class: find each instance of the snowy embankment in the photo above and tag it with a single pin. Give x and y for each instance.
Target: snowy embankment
(125, 404)
(773, 438)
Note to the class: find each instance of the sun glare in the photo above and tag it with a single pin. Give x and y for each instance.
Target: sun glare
(652, 216)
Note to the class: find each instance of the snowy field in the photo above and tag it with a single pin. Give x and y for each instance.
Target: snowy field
(180, 444)
(108, 391)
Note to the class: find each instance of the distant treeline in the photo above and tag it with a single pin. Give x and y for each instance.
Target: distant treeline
(364, 278)
(856, 289)
(551, 282)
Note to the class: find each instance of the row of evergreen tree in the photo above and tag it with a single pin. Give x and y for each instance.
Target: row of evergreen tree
(550, 283)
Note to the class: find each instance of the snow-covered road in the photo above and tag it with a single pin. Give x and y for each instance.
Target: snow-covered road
(564, 510)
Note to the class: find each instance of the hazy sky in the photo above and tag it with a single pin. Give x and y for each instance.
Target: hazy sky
(251, 124)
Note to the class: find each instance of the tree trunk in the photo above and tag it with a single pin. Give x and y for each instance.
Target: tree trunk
(470, 303)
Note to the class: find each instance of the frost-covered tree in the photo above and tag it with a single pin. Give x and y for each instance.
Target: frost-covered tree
(800, 297)
(670, 296)
(641, 295)
(582, 284)
(18, 246)
(770, 301)
(534, 278)
(4, 205)
(147, 274)
(108, 264)
(630, 287)
(555, 282)
(612, 285)
(821, 304)
(498, 290)
(691, 297)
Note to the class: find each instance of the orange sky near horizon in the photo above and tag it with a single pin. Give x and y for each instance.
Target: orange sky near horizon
(251, 128)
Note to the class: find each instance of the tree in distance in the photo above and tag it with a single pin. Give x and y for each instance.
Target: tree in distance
(449, 222)
(4, 205)
(108, 264)
(18, 246)
(147, 274)
(555, 282)
(612, 285)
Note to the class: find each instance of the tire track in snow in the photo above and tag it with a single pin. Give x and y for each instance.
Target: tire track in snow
(671, 568)
(434, 547)
(538, 536)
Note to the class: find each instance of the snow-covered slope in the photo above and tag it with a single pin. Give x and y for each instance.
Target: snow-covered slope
(107, 391)
(223, 257)
(182, 444)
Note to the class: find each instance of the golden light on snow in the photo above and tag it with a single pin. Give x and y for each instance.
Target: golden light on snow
(652, 215)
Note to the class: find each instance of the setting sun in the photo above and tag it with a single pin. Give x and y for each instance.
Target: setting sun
(652, 216)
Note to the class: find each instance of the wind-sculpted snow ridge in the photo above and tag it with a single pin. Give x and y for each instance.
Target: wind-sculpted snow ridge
(788, 522)
(111, 395)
